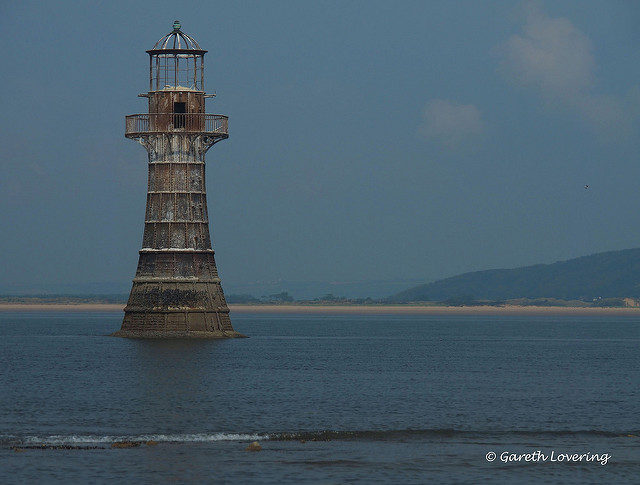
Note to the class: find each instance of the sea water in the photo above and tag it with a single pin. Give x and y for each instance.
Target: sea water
(331, 399)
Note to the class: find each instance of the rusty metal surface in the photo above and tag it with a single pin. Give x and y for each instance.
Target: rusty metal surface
(176, 290)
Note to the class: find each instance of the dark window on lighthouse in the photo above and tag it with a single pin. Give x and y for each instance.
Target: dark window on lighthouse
(178, 115)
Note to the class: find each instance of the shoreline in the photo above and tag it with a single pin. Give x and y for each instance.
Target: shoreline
(345, 309)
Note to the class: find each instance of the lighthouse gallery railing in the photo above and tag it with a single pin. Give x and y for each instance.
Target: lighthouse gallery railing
(140, 124)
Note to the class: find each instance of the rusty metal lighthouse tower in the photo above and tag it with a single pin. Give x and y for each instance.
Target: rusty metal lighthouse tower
(176, 291)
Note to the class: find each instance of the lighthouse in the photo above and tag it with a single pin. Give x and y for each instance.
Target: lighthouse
(176, 290)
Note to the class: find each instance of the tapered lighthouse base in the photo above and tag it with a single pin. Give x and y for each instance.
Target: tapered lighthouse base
(176, 323)
(177, 335)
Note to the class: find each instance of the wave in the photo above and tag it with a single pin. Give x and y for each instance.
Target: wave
(379, 435)
(96, 441)
(88, 440)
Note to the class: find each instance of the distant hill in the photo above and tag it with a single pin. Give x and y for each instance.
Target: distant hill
(606, 275)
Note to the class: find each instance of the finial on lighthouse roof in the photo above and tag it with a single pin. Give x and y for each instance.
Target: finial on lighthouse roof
(176, 25)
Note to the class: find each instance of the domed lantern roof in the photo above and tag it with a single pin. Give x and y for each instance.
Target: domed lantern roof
(176, 41)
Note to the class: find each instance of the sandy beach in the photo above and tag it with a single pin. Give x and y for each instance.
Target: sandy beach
(345, 309)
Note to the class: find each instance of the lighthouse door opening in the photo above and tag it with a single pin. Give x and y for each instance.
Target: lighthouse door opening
(179, 110)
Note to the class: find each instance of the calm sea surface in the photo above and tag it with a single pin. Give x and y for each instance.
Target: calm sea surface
(332, 399)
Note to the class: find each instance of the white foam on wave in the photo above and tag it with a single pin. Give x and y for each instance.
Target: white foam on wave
(166, 438)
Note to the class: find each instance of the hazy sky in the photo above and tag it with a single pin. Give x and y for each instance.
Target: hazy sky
(368, 140)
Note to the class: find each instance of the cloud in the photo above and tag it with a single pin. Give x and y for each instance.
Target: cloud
(550, 54)
(451, 124)
(555, 58)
